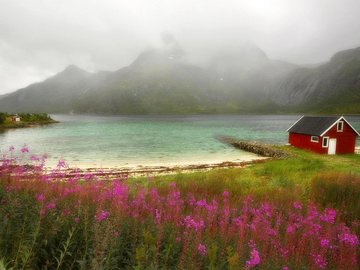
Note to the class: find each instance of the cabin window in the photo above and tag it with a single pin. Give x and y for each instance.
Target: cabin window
(314, 138)
(340, 126)
(325, 142)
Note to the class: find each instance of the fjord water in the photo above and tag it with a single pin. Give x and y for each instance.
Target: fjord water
(128, 141)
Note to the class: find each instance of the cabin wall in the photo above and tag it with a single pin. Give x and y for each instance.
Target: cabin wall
(345, 140)
(304, 141)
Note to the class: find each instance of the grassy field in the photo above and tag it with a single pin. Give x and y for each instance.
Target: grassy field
(293, 178)
(298, 213)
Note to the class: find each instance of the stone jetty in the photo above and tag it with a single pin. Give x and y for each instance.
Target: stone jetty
(265, 150)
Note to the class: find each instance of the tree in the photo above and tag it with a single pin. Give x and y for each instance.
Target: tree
(2, 118)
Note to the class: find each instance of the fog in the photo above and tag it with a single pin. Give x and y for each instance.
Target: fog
(39, 38)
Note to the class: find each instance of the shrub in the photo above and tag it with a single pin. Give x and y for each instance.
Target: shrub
(2, 117)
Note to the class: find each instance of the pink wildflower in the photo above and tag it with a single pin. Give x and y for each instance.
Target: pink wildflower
(297, 205)
(157, 216)
(226, 194)
(11, 148)
(328, 216)
(88, 176)
(77, 220)
(325, 243)
(252, 244)
(50, 206)
(191, 223)
(349, 238)
(61, 164)
(24, 149)
(173, 185)
(320, 261)
(34, 158)
(290, 229)
(40, 197)
(202, 249)
(285, 268)
(101, 216)
(254, 258)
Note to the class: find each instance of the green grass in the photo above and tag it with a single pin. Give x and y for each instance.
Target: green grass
(278, 180)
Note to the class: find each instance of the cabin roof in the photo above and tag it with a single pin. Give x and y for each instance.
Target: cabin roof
(316, 125)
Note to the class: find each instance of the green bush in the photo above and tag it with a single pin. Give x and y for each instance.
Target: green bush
(34, 117)
(2, 117)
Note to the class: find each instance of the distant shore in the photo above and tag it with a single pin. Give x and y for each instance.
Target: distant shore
(15, 125)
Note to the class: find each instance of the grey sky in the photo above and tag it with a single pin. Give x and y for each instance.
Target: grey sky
(38, 38)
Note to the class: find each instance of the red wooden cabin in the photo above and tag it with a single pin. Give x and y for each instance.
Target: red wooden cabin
(325, 135)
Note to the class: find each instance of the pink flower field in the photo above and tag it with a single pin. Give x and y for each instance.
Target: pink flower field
(52, 221)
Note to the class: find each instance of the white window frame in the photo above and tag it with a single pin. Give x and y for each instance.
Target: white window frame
(314, 139)
(338, 125)
(325, 139)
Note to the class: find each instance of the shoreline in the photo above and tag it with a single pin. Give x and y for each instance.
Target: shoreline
(126, 172)
(5, 127)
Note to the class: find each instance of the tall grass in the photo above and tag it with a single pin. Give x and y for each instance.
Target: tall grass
(338, 190)
(216, 220)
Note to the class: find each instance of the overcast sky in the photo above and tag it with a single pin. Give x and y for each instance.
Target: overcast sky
(39, 38)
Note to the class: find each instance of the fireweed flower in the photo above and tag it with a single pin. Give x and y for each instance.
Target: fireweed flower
(297, 205)
(40, 197)
(328, 216)
(157, 216)
(102, 215)
(325, 243)
(320, 261)
(225, 194)
(290, 229)
(50, 206)
(254, 258)
(61, 164)
(202, 249)
(191, 223)
(24, 149)
(348, 238)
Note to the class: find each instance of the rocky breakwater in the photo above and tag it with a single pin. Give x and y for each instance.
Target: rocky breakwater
(261, 149)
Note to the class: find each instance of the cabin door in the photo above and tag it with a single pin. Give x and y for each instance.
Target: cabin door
(332, 147)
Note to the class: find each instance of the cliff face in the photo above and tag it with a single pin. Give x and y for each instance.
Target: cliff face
(332, 85)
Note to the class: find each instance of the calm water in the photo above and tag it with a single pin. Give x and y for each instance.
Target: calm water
(118, 141)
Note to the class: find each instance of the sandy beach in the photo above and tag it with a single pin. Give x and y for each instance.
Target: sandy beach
(125, 172)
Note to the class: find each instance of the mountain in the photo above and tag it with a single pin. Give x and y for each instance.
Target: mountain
(156, 82)
(238, 80)
(52, 95)
(331, 87)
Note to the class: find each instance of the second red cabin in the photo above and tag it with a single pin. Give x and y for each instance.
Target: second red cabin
(325, 135)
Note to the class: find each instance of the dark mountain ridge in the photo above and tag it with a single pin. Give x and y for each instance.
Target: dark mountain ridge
(240, 80)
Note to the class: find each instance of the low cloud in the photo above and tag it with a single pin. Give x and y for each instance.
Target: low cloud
(39, 38)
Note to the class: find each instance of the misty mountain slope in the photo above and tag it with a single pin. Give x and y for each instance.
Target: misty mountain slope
(52, 95)
(154, 83)
(159, 82)
(245, 74)
(331, 86)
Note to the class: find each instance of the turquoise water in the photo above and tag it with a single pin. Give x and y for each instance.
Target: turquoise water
(118, 141)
